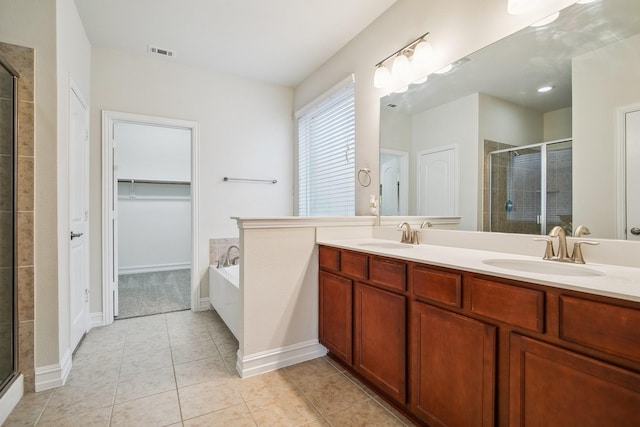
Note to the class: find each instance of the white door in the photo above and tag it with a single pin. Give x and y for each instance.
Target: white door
(437, 182)
(632, 144)
(79, 216)
(393, 182)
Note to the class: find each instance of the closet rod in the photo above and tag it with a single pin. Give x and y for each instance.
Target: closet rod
(153, 181)
(268, 181)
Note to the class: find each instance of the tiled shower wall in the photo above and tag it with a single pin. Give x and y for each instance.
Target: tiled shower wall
(22, 60)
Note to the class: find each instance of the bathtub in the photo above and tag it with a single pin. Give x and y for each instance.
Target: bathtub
(224, 294)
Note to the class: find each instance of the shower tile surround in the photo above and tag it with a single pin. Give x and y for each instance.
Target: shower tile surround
(23, 60)
(219, 247)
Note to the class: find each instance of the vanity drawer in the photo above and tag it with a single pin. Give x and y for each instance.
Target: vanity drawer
(329, 258)
(355, 264)
(602, 326)
(388, 273)
(510, 304)
(438, 286)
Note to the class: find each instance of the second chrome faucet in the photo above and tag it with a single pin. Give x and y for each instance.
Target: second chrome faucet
(563, 255)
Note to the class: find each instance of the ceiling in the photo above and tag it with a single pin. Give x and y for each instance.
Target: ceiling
(275, 41)
(514, 67)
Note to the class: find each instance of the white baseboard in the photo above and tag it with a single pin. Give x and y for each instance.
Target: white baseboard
(154, 268)
(52, 376)
(96, 320)
(11, 398)
(204, 304)
(270, 360)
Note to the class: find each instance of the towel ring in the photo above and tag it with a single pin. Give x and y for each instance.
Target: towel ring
(364, 177)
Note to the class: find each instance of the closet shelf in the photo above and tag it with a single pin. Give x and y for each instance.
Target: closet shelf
(153, 181)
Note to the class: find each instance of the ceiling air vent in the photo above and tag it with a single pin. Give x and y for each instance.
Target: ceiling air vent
(159, 51)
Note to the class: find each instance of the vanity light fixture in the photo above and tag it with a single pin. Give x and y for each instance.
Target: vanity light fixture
(409, 62)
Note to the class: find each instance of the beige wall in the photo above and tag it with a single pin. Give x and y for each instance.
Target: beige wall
(603, 80)
(31, 23)
(456, 29)
(245, 131)
(557, 124)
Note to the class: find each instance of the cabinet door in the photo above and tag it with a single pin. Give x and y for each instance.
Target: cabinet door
(335, 315)
(550, 386)
(380, 339)
(453, 368)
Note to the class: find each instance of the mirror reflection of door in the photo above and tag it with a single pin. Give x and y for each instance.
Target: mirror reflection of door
(437, 182)
(152, 167)
(632, 144)
(394, 182)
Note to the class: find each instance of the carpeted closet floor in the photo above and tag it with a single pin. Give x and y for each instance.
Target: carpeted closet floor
(142, 294)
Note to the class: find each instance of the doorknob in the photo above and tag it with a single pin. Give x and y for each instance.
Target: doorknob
(73, 235)
(635, 231)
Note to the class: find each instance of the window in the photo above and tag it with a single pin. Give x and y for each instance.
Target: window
(326, 154)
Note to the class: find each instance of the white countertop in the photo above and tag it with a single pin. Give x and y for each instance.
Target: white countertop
(614, 281)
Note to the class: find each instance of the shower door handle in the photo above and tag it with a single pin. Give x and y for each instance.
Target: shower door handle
(74, 235)
(635, 231)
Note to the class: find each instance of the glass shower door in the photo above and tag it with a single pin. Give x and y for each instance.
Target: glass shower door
(531, 188)
(7, 226)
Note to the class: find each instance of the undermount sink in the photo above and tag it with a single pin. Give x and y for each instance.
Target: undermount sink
(384, 245)
(543, 267)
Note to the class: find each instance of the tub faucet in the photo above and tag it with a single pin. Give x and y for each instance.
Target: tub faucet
(231, 261)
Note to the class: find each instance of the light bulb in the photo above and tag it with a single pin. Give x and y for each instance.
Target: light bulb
(421, 80)
(422, 54)
(401, 68)
(382, 77)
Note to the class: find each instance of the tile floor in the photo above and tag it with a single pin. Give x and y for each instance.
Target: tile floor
(178, 369)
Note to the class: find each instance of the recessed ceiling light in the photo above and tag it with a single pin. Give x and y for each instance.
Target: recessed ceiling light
(544, 21)
(585, 1)
(444, 69)
(544, 89)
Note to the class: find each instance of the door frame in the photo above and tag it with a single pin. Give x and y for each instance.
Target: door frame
(404, 177)
(74, 90)
(109, 118)
(620, 142)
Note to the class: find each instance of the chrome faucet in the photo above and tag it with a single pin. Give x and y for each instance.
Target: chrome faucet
(559, 232)
(576, 256)
(407, 233)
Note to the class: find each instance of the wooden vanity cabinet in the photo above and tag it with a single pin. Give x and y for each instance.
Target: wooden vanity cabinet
(453, 368)
(454, 348)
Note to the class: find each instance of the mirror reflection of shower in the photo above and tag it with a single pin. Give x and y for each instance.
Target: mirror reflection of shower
(530, 188)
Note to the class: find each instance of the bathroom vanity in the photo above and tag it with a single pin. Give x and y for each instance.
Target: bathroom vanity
(451, 339)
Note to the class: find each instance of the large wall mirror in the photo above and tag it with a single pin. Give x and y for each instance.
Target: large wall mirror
(481, 141)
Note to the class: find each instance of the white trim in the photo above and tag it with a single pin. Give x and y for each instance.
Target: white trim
(108, 120)
(204, 304)
(270, 360)
(154, 268)
(621, 168)
(11, 398)
(304, 221)
(52, 376)
(96, 320)
(456, 174)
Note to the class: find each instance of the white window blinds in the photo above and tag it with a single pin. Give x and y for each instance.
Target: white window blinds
(326, 154)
